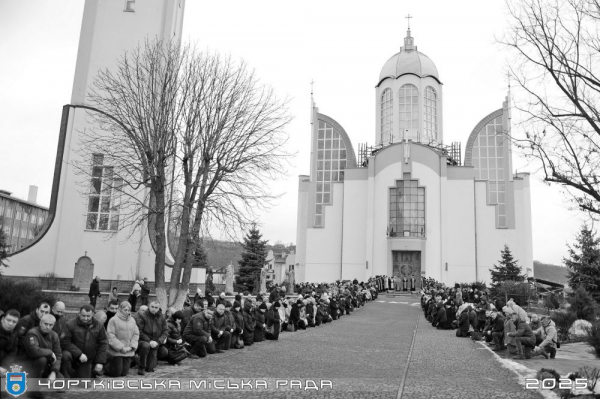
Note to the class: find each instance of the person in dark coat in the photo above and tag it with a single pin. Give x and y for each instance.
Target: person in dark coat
(111, 311)
(174, 339)
(221, 329)
(498, 331)
(259, 329)
(310, 312)
(273, 321)
(153, 336)
(238, 317)
(42, 346)
(473, 318)
(274, 295)
(221, 299)
(8, 339)
(464, 323)
(334, 308)
(94, 292)
(84, 345)
(441, 317)
(145, 291)
(249, 323)
(197, 334)
(524, 338)
(188, 313)
(58, 311)
(27, 323)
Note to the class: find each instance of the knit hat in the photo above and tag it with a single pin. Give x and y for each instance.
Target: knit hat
(276, 305)
(236, 304)
(263, 306)
(238, 298)
(227, 304)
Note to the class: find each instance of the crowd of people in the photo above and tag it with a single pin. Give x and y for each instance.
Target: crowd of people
(504, 326)
(111, 341)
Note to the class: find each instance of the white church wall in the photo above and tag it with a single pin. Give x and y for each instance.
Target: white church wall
(301, 227)
(355, 230)
(458, 231)
(524, 251)
(324, 245)
(431, 263)
(490, 240)
(107, 31)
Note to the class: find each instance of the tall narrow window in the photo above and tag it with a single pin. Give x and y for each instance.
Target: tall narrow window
(489, 162)
(103, 201)
(387, 110)
(409, 111)
(331, 164)
(407, 209)
(430, 121)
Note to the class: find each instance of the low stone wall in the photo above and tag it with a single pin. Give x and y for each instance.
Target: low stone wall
(123, 286)
(74, 300)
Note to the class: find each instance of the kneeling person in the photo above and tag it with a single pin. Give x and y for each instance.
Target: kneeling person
(84, 345)
(153, 336)
(42, 346)
(123, 335)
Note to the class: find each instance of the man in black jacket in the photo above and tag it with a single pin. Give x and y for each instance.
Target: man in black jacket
(145, 293)
(8, 339)
(498, 331)
(43, 350)
(84, 344)
(58, 311)
(27, 323)
(94, 291)
(153, 336)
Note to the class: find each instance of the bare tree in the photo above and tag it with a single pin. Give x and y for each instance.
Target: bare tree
(136, 110)
(556, 45)
(188, 138)
(232, 147)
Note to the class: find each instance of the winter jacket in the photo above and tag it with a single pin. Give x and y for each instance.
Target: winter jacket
(295, 313)
(498, 324)
(239, 320)
(122, 331)
(145, 291)
(509, 327)
(220, 323)
(550, 336)
(259, 331)
(153, 327)
(199, 325)
(188, 313)
(38, 344)
(174, 333)
(94, 288)
(249, 319)
(230, 319)
(25, 324)
(89, 339)
(220, 301)
(524, 331)
(59, 326)
(518, 310)
(458, 298)
(463, 321)
(272, 317)
(8, 347)
(440, 317)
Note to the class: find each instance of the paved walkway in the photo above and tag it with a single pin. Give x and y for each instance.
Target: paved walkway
(364, 355)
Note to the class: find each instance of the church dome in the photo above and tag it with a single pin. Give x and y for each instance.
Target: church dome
(409, 61)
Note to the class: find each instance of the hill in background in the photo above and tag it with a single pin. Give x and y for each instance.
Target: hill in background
(222, 253)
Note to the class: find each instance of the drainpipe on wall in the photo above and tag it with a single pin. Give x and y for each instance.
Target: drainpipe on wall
(342, 246)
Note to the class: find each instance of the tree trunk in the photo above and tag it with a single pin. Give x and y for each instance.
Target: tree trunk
(159, 260)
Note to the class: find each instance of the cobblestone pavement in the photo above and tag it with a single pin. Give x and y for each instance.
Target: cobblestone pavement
(364, 355)
(444, 366)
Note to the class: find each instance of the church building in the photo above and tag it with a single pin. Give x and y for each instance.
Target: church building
(409, 205)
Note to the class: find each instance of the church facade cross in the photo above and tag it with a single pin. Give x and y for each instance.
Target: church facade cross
(408, 17)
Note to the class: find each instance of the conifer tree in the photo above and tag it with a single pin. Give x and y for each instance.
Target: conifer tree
(584, 262)
(253, 259)
(507, 269)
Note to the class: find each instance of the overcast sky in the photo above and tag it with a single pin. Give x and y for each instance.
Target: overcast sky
(341, 45)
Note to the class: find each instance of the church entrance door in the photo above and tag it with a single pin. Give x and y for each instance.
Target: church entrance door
(406, 269)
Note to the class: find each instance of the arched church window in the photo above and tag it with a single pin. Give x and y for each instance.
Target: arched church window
(331, 163)
(387, 108)
(430, 122)
(407, 209)
(489, 163)
(408, 103)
